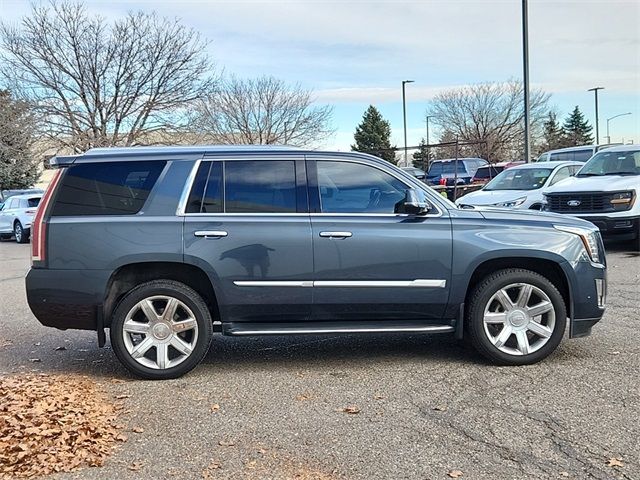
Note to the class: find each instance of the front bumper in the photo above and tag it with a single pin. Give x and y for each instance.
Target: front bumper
(588, 284)
(622, 228)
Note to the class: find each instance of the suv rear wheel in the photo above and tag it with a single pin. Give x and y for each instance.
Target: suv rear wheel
(19, 233)
(516, 317)
(161, 329)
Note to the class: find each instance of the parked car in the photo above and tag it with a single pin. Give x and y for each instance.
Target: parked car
(605, 192)
(521, 187)
(416, 172)
(164, 246)
(444, 171)
(581, 153)
(488, 172)
(6, 194)
(16, 216)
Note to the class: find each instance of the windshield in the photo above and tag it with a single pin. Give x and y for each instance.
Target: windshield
(520, 179)
(438, 168)
(612, 163)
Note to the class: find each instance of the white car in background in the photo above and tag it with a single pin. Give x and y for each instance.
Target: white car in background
(16, 215)
(520, 187)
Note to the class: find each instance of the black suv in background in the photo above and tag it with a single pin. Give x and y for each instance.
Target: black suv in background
(165, 246)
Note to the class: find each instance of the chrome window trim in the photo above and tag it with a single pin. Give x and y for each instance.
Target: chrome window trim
(417, 283)
(186, 191)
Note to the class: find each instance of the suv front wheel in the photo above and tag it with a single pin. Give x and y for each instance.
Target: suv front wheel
(516, 317)
(161, 329)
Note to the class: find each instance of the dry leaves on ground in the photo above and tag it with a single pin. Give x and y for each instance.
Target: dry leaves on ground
(615, 462)
(53, 424)
(351, 409)
(455, 473)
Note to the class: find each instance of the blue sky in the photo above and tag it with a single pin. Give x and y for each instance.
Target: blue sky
(355, 53)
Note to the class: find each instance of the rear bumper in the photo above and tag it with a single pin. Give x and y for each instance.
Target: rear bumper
(622, 228)
(66, 298)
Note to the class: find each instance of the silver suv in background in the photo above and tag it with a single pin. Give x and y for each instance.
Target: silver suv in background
(580, 153)
(16, 216)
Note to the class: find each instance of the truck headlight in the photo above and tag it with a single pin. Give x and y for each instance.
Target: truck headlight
(622, 200)
(513, 203)
(589, 239)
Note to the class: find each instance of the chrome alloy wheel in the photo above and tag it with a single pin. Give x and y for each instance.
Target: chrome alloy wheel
(519, 319)
(160, 332)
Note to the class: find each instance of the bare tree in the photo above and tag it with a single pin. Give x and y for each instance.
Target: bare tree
(489, 113)
(263, 111)
(101, 84)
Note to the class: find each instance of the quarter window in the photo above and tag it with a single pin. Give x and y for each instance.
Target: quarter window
(347, 187)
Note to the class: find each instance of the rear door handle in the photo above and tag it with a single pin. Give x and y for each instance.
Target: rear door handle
(211, 233)
(336, 234)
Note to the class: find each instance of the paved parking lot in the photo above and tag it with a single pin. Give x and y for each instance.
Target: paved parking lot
(427, 405)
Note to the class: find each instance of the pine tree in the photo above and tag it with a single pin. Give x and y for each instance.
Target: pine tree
(577, 130)
(421, 157)
(373, 135)
(552, 133)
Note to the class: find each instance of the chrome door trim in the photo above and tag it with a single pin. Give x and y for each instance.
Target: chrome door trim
(186, 191)
(210, 233)
(273, 283)
(421, 328)
(336, 234)
(418, 283)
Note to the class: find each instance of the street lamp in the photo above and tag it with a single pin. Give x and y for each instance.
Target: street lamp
(611, 118)
(525, 71)
(404, 115)
(595, 91)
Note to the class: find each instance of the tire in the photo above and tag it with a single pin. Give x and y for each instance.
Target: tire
(133, 334)
(22, 235)
(498, 332)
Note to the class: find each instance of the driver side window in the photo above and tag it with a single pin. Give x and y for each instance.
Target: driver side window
(347, 187)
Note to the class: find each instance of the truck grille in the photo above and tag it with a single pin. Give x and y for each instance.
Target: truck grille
(580, 203)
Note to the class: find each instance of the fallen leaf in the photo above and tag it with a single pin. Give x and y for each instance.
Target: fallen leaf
(137, 429)
(302, 397)
(35, 360)
(135, 466)
(122, 396)
(60, 349)
(116, 380)
(615, 462)
(440, 408)
(226, 443)
(215, 407)
(377, 396)
(351, 409)
(121, 437)
(455, 473)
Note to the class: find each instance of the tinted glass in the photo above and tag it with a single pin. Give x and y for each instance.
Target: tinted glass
(488, 172)
(582, 155)
(355, 188)
(263, 186)
(439, 168)
(33, 202)
(607, 162)
(206, 193)
(110, 188)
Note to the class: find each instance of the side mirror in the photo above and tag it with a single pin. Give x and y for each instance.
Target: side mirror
(412, 205)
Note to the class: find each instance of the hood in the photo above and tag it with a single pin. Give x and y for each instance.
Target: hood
(491, 197)
(608, 183)
(532, 217)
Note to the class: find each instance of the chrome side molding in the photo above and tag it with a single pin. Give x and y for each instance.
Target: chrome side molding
(418, 283)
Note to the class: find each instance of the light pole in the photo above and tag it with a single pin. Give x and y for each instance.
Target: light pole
(595, 91)
(404, 116)
(611, 118)
(525, 71)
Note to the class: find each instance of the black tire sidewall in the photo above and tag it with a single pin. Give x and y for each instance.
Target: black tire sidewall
(485, 290)
(23, 236)
(184, 294)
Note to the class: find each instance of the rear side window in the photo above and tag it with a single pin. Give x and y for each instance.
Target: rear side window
(263, 186)
(33, 202)
(109, 188)
(582, 155)
(206, 194)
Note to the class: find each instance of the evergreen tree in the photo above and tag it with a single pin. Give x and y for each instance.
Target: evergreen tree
(19, 168)
(577, 130)
(552, 133)
(373, 135)
(421, 157)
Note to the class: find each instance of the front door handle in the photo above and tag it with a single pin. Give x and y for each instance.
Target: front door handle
(336, 234)
(211, 233)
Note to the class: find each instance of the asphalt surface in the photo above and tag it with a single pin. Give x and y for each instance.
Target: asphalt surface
(428, 405)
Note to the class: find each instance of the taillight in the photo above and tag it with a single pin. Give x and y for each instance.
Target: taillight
(39, 226)
(443, 181)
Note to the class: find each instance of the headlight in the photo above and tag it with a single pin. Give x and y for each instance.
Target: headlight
(589, 239)
(512, 203)
(622, 200)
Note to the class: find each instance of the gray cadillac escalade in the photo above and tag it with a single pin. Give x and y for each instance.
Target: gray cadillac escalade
(165, 246)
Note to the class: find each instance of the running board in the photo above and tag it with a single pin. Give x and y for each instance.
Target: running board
(316, 328)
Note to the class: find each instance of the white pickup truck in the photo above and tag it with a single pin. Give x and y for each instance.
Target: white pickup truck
(605, 192)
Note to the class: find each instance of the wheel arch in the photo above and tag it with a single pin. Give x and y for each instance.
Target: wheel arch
(126, 277)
